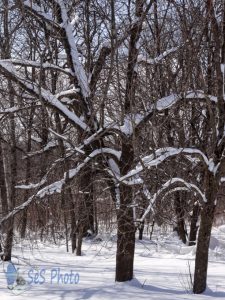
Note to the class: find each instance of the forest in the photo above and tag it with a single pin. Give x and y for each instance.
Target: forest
(112, 119)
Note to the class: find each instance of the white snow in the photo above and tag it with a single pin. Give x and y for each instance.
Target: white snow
(182, 184)
(66, 140)
(130, 121)
(161, 155)
(50, 145)
(36, 139)
(31, 63)
(53, 188)
(67, 92)
(114, 167)
(161, 270)
(168, 101)
(152, 61)
(31, 185)
(47, 96)
(79, 70)
(75, 20)
(39, 10)
(133, 120)
(10, 110)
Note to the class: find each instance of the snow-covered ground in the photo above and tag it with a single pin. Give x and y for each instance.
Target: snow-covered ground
(161, 271)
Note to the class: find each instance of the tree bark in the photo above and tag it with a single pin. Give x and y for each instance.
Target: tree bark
(85, 207)
(3, 189)
(141, 230)
(125, 237)
(28, 172)
(73, 235)
(193, 226)
(180, 217)
(201, 260)
(207, 215)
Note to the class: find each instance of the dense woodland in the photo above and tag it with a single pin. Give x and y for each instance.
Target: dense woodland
(112, 117)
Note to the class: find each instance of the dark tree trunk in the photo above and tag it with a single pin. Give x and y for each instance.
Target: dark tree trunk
(95, 219)
(151, 233)
(9, 240)
(6, 54)
(79, 242)
(193, 226)
(201, 260)
(89, 204)
(73, 238)
(3, 189)
(125, 237)
(85, 207)
(73, 221)
(126, 227)
(125, 220)
(141, 230)
(82, 231)
(28, 172)
(13, 175)
(24, 224)
(180, 217)
(64, 205)
(207, 215)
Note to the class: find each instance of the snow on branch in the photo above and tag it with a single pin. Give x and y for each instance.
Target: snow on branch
(66, 93)
(35, 64)
(49, 146)
(170, 185)
(222, 179)
(78, 68)
(133, 121)
(56, 187)
(160, 156)
(12, 110)
(158, 59)
(114, 172)
(190, 186)
(66, 140)
(54, 143)
(31, 185)
(39, 10)
(167, 102)
(8, 70)
(65, 30)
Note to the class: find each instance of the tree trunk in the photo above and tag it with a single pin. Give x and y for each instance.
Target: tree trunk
(126, 227)
(151, 233)
(201, 260)
(141, 230)
(180, 217)
(3, 189)
(28, 172)
(6, 54)
(193, 226)
(73, 220)
(24, 224)
(207, 215)
(79, 241)
(125, 237)
(13, 175)
(85, 207)
(9, 240)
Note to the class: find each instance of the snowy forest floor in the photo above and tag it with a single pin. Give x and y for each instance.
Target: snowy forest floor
(161, 270)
